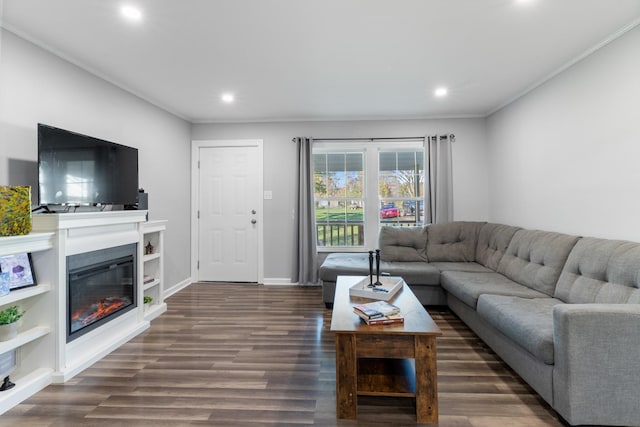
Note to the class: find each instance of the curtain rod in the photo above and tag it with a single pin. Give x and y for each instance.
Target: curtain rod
(450, 136)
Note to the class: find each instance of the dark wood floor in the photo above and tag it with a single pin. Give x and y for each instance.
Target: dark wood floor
(230, 355)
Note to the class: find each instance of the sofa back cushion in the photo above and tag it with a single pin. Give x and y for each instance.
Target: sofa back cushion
(403, 244)
(535, 258)
(493, 241)
(453, 242)
(601, 271)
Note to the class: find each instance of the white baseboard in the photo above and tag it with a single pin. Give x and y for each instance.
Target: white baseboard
(177, 287)
(286, 281)
(271, 281)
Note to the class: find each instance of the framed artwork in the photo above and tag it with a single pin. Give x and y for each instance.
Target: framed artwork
(19, 267)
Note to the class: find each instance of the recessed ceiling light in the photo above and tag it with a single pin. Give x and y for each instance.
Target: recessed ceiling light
(131, 13)
(440, 92)
(227, 98)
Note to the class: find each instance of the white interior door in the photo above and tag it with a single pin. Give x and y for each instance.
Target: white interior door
(229, 204)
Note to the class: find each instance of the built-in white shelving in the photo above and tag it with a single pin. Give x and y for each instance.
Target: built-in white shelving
(153, 268)
(25, 386)
(23, 338)
(150, 257)
(20, 294)
(32, 242)
(151, 284)
(36, 338)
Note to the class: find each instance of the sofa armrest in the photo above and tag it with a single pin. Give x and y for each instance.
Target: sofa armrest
(597, 363)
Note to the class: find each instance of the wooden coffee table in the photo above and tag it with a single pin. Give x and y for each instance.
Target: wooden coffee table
(384, 360)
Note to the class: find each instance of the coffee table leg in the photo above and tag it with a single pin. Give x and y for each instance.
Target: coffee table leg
(426, 379)
(346, 376)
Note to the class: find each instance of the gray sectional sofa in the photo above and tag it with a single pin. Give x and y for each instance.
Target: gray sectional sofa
(563, 311)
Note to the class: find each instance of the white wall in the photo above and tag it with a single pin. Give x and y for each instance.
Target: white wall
(469, 156)
(36, 86)
(565, 157)
(1, 17)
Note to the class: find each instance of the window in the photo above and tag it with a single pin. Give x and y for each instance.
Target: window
(401, 187)
(359, 187)
(339, 198)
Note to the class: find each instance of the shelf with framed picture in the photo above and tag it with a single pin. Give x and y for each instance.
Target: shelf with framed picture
(26, 362)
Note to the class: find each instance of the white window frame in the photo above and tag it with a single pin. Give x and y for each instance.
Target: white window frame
(371, 168)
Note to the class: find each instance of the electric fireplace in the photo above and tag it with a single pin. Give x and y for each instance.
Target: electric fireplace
(101, 285)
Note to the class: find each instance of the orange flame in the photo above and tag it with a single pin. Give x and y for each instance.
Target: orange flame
(103, 309)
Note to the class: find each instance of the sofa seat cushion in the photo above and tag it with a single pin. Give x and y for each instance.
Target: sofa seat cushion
(414, 273)
(344, 264)
(472, 267)
(528, 322)
(467, 286)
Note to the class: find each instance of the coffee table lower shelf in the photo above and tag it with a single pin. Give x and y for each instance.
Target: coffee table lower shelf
(386, 377)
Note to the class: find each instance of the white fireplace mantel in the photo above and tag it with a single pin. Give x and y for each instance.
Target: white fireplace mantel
(82, 232)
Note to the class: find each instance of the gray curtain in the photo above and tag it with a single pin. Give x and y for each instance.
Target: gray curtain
(440, 189)
(305, 263)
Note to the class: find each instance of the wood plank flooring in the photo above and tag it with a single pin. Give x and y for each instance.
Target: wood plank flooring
(245, 355)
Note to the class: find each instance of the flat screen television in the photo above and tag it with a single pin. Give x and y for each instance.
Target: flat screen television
(80, 170)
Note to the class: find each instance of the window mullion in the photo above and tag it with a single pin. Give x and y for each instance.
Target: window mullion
(372, 212)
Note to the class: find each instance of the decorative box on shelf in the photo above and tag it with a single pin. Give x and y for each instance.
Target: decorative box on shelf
(388, 286)
(15, 210)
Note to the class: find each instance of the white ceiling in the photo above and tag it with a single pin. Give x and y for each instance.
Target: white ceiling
(323, 59)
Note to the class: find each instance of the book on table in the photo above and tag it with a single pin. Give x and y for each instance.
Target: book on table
(378, 312)
(384, 320)
(377, 309)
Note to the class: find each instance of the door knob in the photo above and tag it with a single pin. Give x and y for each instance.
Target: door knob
(253, 221)
(253, 211)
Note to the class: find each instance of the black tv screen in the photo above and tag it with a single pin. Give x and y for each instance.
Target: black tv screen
(76, 170)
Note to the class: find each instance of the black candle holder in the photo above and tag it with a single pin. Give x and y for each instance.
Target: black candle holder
(378, 283)
(370, 285)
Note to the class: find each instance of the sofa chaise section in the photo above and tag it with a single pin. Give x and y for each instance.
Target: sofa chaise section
(579, 348)
(597, 334)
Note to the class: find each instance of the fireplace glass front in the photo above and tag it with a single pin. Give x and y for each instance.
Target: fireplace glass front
(101, 286)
